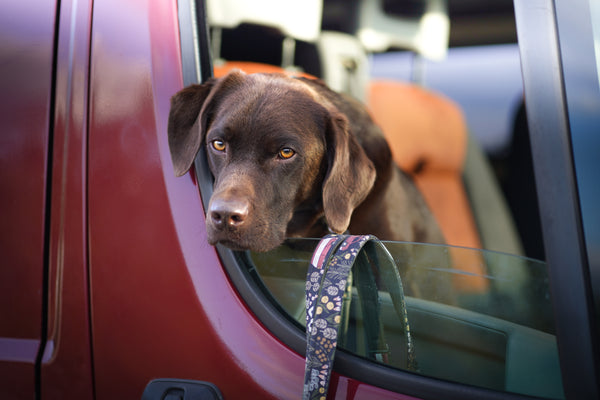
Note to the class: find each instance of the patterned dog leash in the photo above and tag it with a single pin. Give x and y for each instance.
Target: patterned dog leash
(328, 278)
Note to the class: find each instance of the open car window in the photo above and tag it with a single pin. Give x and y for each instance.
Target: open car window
(499, 336)
(479, 317)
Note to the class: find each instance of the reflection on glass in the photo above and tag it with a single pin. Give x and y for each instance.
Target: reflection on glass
(595, 16)
(476, 317)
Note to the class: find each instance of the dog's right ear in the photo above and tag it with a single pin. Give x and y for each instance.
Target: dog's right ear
(190, 114)
(185, 132)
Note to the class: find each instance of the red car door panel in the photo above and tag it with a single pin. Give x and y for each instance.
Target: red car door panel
(27, 41)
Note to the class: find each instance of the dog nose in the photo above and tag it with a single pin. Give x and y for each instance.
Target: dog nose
(228, 213)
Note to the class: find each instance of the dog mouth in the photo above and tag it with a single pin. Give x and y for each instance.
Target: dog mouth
(232, 245)
(243, 241)
(242, 246)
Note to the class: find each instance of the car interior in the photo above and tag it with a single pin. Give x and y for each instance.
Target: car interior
(495, 329)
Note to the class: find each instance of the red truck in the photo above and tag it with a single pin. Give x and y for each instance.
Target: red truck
(108, 286)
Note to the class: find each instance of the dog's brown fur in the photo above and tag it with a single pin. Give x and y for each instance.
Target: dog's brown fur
(341, 175)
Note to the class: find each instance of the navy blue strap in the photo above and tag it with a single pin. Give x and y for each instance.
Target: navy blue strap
(326, 282)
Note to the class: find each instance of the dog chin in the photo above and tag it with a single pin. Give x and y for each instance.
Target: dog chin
(240, 245)
(231, 245)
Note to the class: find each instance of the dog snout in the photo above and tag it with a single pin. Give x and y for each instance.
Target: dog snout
(228, 213)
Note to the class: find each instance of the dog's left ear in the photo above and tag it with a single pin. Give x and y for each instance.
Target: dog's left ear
(350, 175)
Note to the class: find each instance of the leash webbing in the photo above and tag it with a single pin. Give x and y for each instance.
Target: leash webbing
(327, 280)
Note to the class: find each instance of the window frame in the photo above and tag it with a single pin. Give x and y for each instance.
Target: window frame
(542, 62)
(566, 283)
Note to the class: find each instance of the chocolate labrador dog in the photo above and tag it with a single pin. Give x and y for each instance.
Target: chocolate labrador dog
(292, 158)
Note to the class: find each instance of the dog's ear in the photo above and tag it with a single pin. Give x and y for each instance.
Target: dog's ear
(184, 132)
(350, 175)
(188, 118)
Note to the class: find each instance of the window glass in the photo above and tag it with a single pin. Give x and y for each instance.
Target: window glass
(478, 317)
(579, 29)
(492, 330)
(595, 16)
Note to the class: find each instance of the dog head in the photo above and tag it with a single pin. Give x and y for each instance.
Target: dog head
(281, 156)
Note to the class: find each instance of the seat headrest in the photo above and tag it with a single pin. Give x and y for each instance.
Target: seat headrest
(426, 33)
(299, 19)
(424, 130)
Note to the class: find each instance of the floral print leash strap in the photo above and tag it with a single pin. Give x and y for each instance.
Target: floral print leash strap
(327, 280)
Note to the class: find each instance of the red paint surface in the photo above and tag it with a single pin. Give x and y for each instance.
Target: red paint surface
(26, 40)
(67, 361)
(162, 305)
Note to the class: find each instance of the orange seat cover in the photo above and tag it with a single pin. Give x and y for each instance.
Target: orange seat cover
(249, 67)
(428, 137)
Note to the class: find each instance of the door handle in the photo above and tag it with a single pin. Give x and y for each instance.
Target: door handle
(180, 389)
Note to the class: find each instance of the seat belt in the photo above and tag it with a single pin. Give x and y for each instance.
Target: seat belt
(327, 280)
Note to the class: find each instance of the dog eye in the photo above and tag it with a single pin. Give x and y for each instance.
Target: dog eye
(218, 145)
(286, 153)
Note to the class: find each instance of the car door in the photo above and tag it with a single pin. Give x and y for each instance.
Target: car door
(161, 305)
(567, 262)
